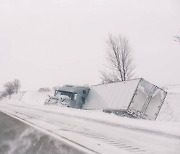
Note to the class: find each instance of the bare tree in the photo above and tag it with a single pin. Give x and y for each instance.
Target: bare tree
(9, 88)
(3, 94)
(177, 38)
(17, 85)
(120, 62)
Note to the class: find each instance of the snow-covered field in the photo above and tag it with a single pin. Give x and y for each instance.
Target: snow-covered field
(98, 132)
(171, 108)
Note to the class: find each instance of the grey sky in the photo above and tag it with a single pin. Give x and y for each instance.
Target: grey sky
(56, 42)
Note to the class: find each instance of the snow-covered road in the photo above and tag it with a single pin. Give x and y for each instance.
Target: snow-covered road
(95, 135)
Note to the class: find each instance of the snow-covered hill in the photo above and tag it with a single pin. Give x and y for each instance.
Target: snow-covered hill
(170, 110)
(97, 131)
(33, 98)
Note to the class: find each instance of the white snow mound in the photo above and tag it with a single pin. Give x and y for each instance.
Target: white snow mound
(170, 110)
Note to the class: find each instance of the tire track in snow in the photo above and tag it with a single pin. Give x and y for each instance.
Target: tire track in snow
(120, 143)
(51, 132)
(103, 122)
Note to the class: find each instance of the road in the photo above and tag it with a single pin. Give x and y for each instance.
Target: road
(94, 136)
(17, 137)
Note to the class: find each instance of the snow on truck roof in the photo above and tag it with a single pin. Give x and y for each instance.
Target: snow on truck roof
(73, 89)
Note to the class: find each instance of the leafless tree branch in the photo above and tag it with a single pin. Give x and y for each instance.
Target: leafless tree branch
(119, 57)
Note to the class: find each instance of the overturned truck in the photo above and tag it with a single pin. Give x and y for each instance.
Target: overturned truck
(134, 98)
(70, 96)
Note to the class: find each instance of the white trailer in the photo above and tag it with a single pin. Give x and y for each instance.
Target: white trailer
(137, 98)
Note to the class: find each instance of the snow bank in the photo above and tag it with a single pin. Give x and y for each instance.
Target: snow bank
(170, 110)
(32, 98)
(36, 98)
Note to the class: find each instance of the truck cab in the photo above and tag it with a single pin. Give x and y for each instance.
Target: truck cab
(72, 96)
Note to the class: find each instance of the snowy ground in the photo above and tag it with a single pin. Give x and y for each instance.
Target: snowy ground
(171, 107)
(17, 137)
(98, 132)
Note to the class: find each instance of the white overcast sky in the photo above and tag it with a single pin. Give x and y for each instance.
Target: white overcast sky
(45, 43)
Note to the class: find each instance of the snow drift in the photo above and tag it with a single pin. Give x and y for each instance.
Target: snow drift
(170, 110)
